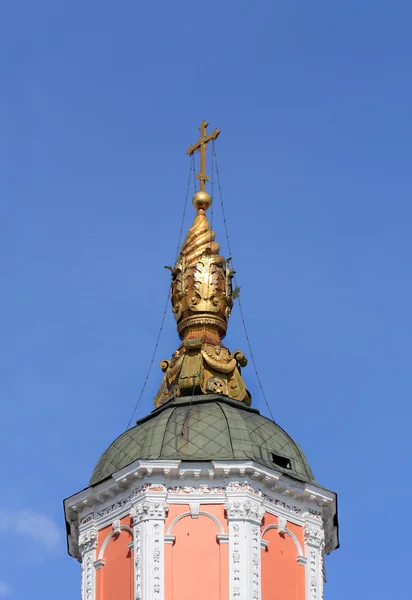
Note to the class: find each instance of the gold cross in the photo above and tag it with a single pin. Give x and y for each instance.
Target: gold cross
(201, 145)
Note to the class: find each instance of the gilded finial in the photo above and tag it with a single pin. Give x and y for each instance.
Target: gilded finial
(202, 298)
(201, 200)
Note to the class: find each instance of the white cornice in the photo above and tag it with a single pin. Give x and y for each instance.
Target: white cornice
(197, 483)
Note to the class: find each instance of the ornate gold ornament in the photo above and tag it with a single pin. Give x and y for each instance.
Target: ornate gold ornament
(202, 298)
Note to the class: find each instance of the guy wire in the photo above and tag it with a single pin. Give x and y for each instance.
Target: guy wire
(234, 279)
(191, 169)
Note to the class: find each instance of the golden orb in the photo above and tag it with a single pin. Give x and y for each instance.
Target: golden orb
(201, 200)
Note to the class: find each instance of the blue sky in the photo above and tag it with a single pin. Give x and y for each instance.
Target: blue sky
(98, 103)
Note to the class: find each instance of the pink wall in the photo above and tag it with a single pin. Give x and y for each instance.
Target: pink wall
(114, 581)
(196, 566)
(283, 578)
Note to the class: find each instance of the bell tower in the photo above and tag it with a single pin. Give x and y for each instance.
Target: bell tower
(204, 497)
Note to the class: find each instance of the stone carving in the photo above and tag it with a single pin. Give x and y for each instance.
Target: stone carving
(83, 576)
(116, 527)
(236, 562)
(88, 540)
(156, 560)
(313, 578)
(235, 486)
(87, 545)
(148, 510)
(109, 509)
(87, 519)
(314, 536)
(282, 525)
(137, 564)
(202, 489)
(288, 507)
(255, 563)
(87, 592)
(244, 510)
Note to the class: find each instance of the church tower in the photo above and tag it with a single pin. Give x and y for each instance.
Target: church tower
(204, 497)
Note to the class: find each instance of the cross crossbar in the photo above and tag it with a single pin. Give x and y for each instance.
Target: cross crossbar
(201, 146)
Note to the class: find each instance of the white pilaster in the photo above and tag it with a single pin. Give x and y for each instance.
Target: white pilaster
(87, 547)
(315, 543)
(148, 529)
(244, 516)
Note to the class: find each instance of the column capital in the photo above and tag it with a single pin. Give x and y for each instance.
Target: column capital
(143, 511)
(88, 540)
(244, 510)
(314, 536)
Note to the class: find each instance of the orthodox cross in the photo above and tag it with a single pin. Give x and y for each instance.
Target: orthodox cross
(201, 145)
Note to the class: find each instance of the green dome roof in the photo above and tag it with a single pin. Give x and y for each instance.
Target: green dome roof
(205, 428)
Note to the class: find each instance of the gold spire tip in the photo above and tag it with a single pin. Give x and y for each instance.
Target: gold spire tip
(201, 146)
(202, 298)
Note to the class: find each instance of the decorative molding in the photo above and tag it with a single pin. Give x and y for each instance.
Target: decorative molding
(112, 534)
(148, 510)
(289, 533)
(314, 536)
(244, 514)
(137, 563)
(124, 502)
(116, 526)
(269, 478)
(148, 524)
(255, 563)
(190, 490)
(282, 523)
(246, 510)
(315, 547)
(87, 544)
(289, 507)
(244, 560)
(189, 514)
(122, 506)
(88, 540)
(158, 584)
(88, 576)
(324, 578)
(323, 574)
(111, 500)
(87, 519)
(170, 539)
(244, 488)
(237, 486)
(313, 574)
(236, 581)
(194, 509)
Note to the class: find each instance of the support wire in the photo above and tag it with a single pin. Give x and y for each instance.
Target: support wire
(191, 173)
(234, 279)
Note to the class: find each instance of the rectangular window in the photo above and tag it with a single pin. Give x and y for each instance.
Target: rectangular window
(281, 461)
